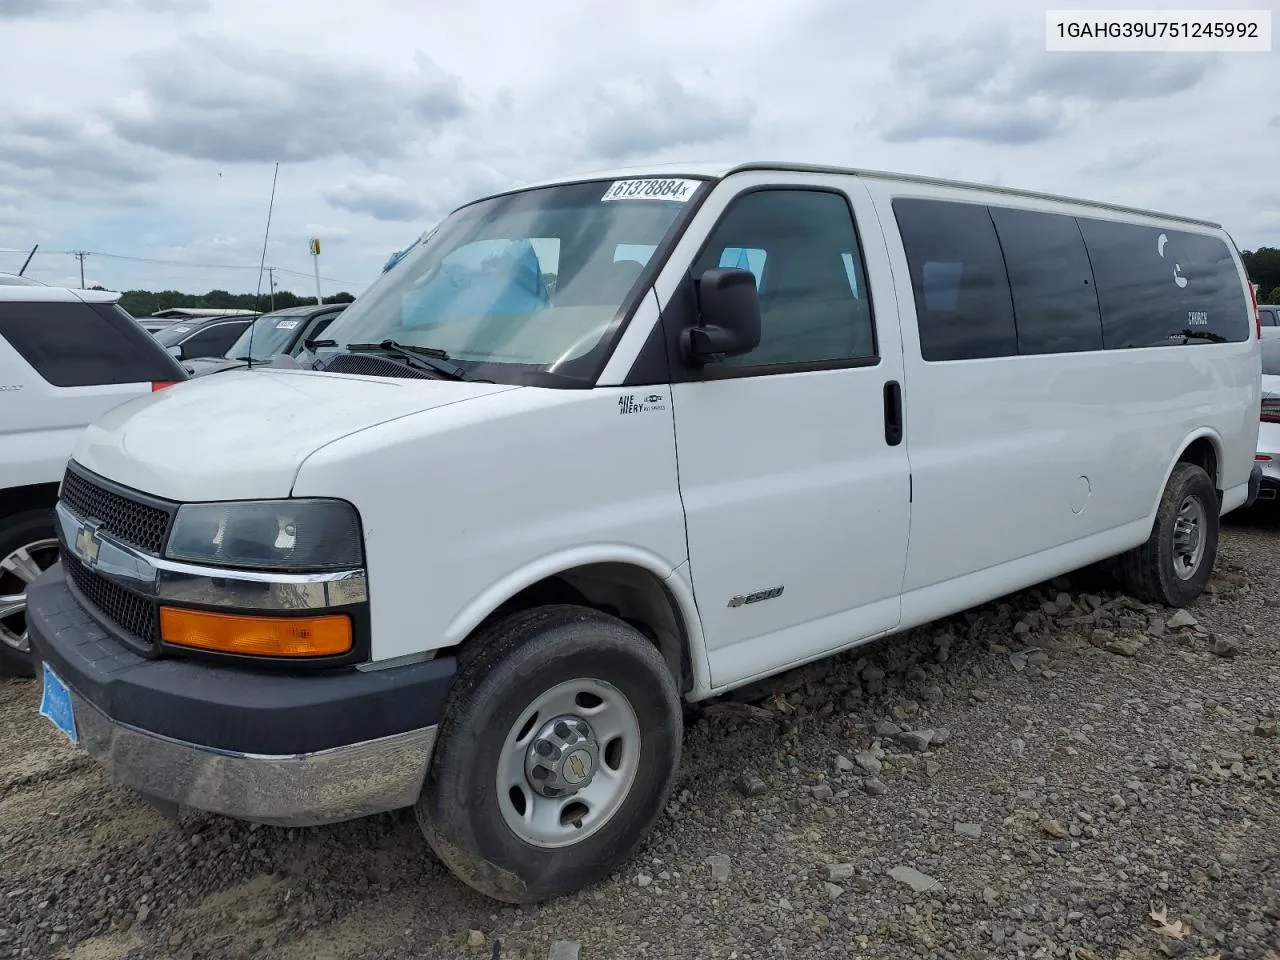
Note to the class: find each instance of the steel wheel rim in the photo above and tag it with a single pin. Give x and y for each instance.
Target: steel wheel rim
(17, 571)
(600, 749)
(1189, 529)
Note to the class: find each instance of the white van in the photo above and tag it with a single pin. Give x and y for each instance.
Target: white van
(604, 444)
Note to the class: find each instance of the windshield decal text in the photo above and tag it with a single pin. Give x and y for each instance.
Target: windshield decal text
(655, 189)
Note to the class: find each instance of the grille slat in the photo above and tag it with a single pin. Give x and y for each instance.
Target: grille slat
(136, 615)
(137, 524)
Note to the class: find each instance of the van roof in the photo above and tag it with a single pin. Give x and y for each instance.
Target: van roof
(718, 171)
(43, 294)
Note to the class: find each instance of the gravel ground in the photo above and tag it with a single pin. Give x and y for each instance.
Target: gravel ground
(1065, 773)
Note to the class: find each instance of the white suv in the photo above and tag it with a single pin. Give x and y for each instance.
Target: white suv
(66, 358)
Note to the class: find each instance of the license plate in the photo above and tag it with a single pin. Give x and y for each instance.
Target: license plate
(56, 704)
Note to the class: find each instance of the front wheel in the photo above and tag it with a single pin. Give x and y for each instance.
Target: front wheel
(557, 752)
(27, 549)
(1174, 566)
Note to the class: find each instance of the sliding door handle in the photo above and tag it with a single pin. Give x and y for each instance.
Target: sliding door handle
(893, 413)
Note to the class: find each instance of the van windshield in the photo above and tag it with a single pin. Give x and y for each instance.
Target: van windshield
(526, 283)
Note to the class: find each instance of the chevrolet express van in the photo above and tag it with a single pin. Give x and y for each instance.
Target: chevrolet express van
(601, 445)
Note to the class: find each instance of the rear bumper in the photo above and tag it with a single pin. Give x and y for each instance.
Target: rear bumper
(286, 749)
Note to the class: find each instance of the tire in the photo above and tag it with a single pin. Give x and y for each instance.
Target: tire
(466, 807)
(27, 545)
(1156, 572)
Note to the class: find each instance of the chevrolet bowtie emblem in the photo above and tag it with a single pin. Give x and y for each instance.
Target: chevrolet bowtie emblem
(87, 542)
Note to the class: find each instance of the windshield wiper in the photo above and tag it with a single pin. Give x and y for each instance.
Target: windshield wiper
(1202, 335)
(312, 344)
(422, 358)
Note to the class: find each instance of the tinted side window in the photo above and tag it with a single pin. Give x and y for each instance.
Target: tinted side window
(1156, 284)
(213, 341)
(1268, 318)
(804, 251)
(313, 333)
(1055, 305)
(958, 278)
(79, 345)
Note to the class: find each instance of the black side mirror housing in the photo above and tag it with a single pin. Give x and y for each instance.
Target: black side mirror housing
(728, 316)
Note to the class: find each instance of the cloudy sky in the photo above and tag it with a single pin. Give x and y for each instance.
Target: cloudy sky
(148, 129)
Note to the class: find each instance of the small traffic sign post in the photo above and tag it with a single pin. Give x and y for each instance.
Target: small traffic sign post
(315, 258)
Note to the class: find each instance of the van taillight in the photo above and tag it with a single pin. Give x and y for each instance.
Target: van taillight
(1271, 410)
(1257, 314)
(161, 384)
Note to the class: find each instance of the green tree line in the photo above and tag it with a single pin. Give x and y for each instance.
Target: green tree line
(1263, 266)
(143, 303)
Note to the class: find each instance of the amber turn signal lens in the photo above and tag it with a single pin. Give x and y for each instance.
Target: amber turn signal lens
(325, 636)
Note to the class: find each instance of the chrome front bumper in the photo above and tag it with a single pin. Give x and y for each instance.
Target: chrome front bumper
(328, 786)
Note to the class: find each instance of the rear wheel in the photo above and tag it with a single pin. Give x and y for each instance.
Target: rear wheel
(1174, 566)
(556, 754)
(27, 549)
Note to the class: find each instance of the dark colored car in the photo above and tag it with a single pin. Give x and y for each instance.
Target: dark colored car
(272, 334)
(203, 337)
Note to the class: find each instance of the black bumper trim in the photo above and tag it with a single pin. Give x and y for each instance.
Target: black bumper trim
(1255, 486)
(235, 709)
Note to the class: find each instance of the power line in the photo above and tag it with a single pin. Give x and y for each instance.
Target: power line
(173, 263)
(80, 255)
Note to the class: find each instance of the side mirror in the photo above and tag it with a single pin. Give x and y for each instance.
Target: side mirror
(176, 352)
(728, 316)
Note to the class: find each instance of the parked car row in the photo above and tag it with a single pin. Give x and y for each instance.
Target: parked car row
(272, 334)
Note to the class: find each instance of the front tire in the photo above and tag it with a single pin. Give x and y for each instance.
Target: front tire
(27, 549)
(1174, 566)
(556, 754)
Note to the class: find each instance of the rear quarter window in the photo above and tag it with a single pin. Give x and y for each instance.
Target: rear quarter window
(1156, 285)
(82, 345)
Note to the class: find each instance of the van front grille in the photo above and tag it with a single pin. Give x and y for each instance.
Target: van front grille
(136, 616)
(138, 524)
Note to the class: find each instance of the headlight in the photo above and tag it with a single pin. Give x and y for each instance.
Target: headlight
(272, 534)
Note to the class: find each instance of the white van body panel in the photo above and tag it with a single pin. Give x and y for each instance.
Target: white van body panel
(252, 433)
(1012, 470)
(1072, 447)
(469, 503)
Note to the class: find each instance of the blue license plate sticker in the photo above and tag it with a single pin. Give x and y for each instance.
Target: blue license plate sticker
(56, 704)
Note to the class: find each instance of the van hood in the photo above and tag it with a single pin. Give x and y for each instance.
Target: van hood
(244, 433)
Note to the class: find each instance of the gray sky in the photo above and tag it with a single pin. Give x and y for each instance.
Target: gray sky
(148, 128)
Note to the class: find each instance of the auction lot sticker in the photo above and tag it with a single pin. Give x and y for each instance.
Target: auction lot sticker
(652, 189)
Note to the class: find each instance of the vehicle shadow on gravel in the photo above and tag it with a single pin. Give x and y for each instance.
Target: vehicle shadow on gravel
(1063, 773)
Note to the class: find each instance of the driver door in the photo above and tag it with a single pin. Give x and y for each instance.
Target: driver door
(796, 493)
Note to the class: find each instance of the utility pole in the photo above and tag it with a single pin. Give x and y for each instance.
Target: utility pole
(271, 278)
(80, 255)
